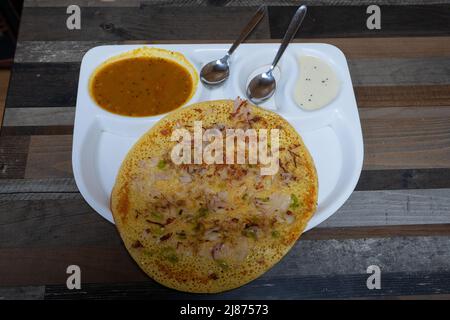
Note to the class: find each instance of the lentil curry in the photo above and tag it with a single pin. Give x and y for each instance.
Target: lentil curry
(143, 82)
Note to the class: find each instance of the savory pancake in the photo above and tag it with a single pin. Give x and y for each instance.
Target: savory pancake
(212, 227)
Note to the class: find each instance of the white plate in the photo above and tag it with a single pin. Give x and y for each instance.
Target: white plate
(332, 134)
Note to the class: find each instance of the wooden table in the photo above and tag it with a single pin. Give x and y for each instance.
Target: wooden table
(398, 218)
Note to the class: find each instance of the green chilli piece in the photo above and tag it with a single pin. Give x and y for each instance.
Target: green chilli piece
(148, 253)
(162, 164)
(169, 254)
(157, 230)
(294, 202)
(202, 212)
(156, 215)
(249, 233)
(275, 234)
(222, 264)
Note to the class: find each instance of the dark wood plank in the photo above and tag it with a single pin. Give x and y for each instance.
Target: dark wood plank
(418, 230)
(4, 82)
(143, 22)
(153, 22)
(406, 138)
(13, 156)
(307, 287)
(22, 293)
(403, 96)
(404, 179)
(36, 130)
(45, 85)
(46, 265)
(399, 47)
(27, 266)
(49, 156)
(350, 21)
(53, 223)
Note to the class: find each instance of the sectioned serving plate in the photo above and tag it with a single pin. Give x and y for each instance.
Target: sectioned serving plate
(332, 134)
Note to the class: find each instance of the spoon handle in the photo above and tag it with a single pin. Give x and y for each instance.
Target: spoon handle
(259, 14)
(296, 21)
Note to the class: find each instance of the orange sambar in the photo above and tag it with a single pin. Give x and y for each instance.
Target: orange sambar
(141, 86)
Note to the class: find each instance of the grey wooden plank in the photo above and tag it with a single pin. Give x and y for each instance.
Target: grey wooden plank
(56, 223)
(22, 293)
(156, 22)
(396, 71)
(393, 207)
(39, 196)
(65, 115)
(38, 219)
(144, 22)
(137, 3)
(54, 116)
(58, 51)
(352, 256)
(61, 185)
(363, 208)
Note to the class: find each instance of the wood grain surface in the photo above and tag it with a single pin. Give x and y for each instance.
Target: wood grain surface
(397, 218)
(4, 82)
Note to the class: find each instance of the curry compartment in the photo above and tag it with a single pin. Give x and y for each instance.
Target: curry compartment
(143, 82)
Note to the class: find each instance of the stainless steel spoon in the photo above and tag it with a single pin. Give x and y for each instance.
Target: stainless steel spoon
(263, 86)
(217, 71)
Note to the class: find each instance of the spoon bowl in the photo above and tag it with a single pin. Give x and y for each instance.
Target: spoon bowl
(263, 86)
(216, 71)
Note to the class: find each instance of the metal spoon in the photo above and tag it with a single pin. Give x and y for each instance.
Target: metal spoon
(263, 86)
(217, 71)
